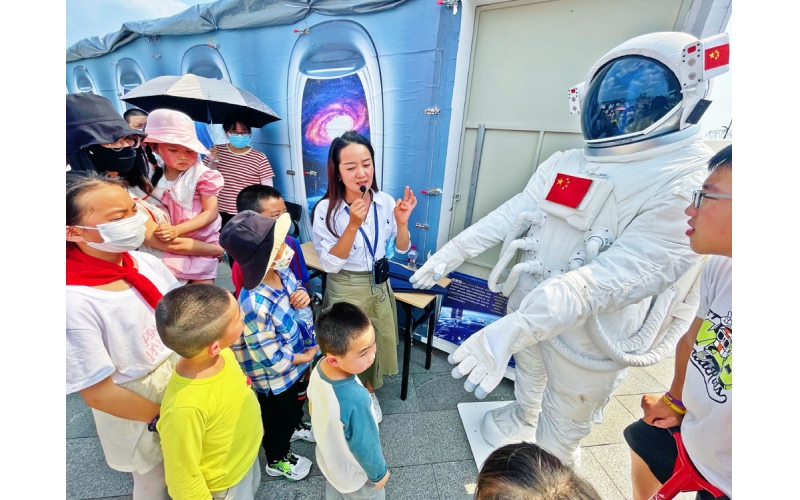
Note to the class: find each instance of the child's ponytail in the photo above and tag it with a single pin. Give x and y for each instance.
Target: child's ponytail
(158, 172)
(148, 152)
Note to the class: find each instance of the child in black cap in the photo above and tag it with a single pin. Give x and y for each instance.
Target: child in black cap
(275, 348)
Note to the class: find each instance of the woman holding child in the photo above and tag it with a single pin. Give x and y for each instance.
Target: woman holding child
(356, 229)
(115, 358)
(100, 140)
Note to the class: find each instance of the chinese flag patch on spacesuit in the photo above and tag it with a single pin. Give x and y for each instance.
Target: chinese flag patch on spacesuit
(717, 56)
(568, 190)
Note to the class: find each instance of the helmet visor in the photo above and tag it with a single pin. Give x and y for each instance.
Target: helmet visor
(628, 95)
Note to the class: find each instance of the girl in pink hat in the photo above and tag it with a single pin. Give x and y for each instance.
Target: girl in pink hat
(188, 189)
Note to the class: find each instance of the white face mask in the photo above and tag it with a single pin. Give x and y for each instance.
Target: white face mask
(285, 260)
(121, 235)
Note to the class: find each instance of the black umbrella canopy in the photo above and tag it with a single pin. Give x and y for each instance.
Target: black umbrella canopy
(203, 99)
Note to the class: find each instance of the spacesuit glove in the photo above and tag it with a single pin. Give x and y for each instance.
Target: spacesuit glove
(485, 355)
(438, 265)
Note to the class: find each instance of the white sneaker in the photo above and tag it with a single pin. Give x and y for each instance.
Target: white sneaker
(304, 433)
(292, 467)
(376, 408)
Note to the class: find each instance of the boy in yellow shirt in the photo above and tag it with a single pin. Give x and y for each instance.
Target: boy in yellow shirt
(210, 422)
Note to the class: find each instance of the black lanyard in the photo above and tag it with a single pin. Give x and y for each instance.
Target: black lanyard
(373, 248)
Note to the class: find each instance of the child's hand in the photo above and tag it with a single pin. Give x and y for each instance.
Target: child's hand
(212, 153)
(403, 208)
(306, 355)
(299, 299)
(166, 232)
(358, 213)
(380, 484)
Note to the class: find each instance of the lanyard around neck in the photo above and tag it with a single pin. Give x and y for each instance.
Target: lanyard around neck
(370, 246)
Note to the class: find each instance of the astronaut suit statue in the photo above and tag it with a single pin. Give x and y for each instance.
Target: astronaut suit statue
(605, 241)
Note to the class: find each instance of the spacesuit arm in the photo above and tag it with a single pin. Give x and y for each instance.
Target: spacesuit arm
(649, 255)
(480, 236)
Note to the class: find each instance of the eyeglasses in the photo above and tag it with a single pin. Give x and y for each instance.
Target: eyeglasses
(133, 141)
(236, 132)
(697, 197)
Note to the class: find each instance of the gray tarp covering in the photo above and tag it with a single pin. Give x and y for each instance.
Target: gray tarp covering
(224, 15)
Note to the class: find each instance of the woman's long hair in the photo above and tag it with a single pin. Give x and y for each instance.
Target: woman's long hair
(336, 190)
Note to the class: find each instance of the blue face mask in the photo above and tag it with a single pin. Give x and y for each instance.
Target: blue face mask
(239, 141)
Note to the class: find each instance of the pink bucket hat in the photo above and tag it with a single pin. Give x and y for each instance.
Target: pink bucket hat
(167, 126)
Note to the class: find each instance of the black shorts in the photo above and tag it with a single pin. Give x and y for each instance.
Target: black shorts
(657, 448)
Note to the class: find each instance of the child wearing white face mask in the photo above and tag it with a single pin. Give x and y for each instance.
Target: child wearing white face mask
(239, 163)
(115, 358)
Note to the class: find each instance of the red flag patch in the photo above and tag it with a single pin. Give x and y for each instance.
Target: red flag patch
(568, 190)
(717, 56)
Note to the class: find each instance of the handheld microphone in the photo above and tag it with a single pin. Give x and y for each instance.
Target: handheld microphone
(363, 190)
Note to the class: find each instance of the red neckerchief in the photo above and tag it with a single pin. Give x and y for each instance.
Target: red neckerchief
(85, 270)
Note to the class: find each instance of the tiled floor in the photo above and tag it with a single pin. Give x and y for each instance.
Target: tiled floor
(422, 437)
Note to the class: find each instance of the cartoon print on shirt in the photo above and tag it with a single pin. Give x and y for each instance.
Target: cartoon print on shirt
(713, 354)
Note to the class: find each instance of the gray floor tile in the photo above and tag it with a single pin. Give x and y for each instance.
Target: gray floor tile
(88, 475)
(424, 438)
(440, 391)
(80, 422)
(615, 418)
(223, 278)
(632, 403)
(310, 488)
(389, 395)
(591, 470)
(615, 460)
(456, 480)
(663, 372)
(639, 381)
(415, 482)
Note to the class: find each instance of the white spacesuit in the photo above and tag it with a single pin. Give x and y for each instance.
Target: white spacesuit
(605, 240)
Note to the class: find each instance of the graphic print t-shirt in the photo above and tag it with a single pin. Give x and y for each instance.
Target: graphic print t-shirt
(708, 389)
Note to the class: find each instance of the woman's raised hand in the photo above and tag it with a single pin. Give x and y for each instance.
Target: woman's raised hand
(358, 212)
(404, 206)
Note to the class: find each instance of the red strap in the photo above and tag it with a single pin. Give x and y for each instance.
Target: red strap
(685, 476)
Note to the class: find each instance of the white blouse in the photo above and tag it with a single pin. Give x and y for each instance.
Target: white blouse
(360, 258)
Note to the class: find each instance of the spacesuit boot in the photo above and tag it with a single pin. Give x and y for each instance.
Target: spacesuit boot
(517, 421)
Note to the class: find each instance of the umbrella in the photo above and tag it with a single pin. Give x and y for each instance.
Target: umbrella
(203, 99)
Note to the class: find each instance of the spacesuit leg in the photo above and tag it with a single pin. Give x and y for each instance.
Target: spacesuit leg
(573, 399)
(517, 421)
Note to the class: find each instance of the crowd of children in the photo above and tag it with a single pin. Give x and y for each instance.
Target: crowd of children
(186, 383)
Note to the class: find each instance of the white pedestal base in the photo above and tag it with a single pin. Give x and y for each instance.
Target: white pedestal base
(472, 416)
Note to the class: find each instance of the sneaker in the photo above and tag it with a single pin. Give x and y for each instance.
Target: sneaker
(304, 433)
(376, 408)
(292, 467)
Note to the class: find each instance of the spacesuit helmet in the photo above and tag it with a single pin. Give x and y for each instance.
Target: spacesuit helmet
(649, 91)
(627, 96)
